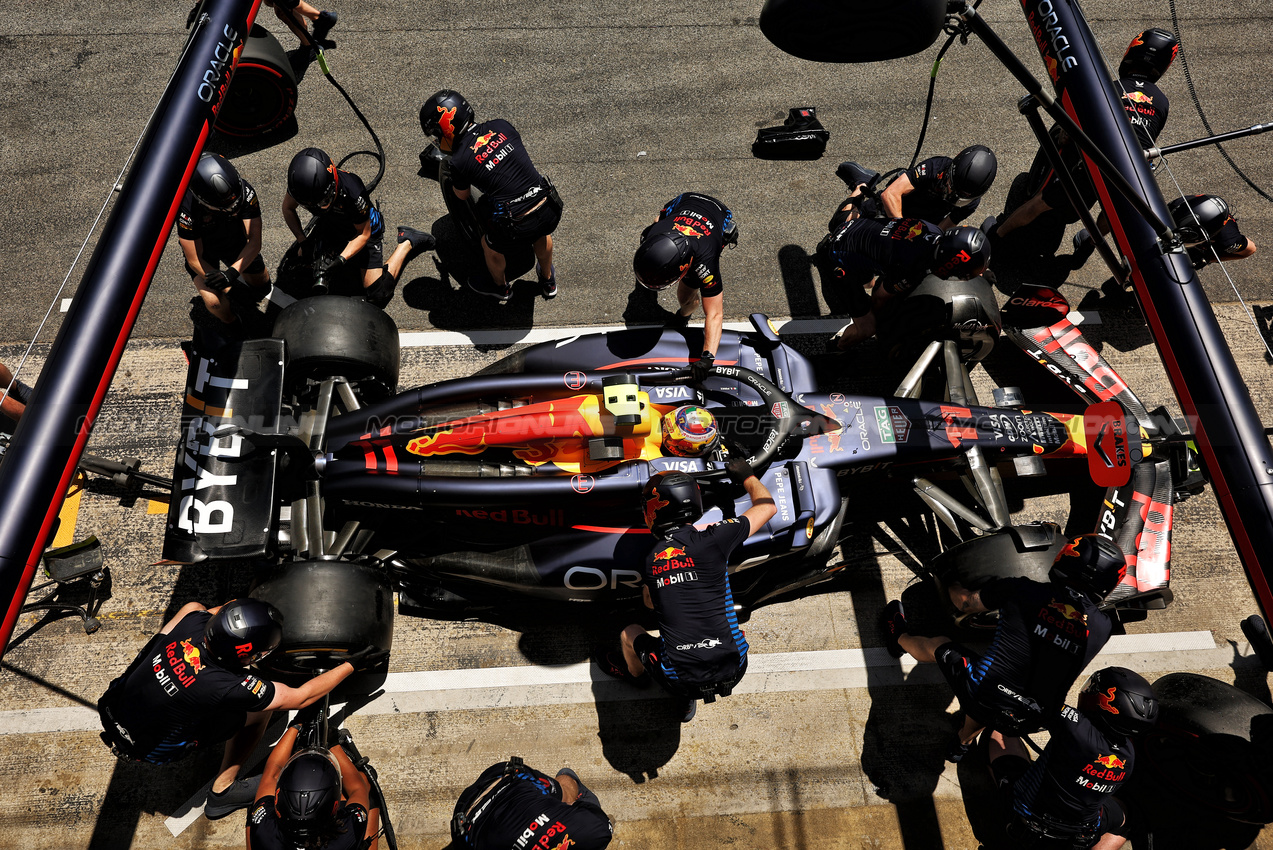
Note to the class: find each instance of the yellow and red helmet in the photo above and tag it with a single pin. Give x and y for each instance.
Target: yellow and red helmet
(689, 431)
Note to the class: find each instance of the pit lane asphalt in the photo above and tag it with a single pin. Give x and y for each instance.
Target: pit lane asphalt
(849, 766)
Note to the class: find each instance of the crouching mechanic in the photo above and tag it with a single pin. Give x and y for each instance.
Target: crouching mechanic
(349, 228)
(1047, 634)
(1209, 230)
(219, 221)
(1065, 800)
(513, 805)
(943, 189)
(893, 257)
(518, 204)
(683, 246)
(312, 798)
(700, 652)
(189, 687)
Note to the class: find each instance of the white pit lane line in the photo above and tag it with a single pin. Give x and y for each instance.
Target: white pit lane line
(785, 326)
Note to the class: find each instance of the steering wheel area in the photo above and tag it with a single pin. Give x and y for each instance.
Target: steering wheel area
(778, 414)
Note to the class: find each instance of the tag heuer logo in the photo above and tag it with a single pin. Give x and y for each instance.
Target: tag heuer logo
(894, 426)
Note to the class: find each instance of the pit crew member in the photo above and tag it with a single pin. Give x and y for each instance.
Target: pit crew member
(683, 246)
(349, 228)
(311, 798)
(1047, 634)
(893, 257)
(1065, 800)
(190, 687)
(219, 221)
(1209, 230)
(700, 652)
(518, 205)
(941, 189)
(513, 805)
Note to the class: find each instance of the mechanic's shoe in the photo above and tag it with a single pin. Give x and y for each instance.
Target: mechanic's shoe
(322, 26)
(690, 710)
(565, 771)
(959, 749)
(894, 627)
(499, 293)
(833, 343)
(548, 285)
(613, 664)
(1084, 245)
(240, 795)
(420, 241)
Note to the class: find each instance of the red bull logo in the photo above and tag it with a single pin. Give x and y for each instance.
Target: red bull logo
(1112, 762)
(1069, 612)
(686, 230)
(1139, 97)
(915, 231)
(482, 141)
(669, 553)
(191, 656)
(1106, 701)
(446, 442)
(446, 122)
(653, 505)
(1052, 67)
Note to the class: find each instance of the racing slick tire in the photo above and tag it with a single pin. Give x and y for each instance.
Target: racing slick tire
(1213, 745)
(262, 93)
(1020, 551)
(330, 609)
(963, 310)
(328, 336)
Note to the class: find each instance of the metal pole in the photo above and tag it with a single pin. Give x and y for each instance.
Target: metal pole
(1256, 129)
(52, 433)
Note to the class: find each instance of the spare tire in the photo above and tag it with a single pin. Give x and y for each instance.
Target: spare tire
(330, 336)
(330, 609)
(262, 93)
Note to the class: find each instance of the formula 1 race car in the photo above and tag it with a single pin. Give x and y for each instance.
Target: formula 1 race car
(521, 485)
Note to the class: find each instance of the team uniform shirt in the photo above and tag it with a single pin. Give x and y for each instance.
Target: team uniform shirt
(265, 827)
(927, 200)
(701, 220)
(349, 210)
(1081, 767)
(174, 697)
(899, 251)
(525, 812)
(688, 579)
(1146, 107)
(492, 157)
(1046, 636)
(195, 221)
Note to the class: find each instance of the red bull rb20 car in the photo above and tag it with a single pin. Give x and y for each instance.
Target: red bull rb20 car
(520, 485)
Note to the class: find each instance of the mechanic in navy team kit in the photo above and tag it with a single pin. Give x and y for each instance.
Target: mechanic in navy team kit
(1065, 800)
(518, 205)
(515, 806)
(349, 228)
(700, 652)
(190, 687)
(683, 246)
(220, 222)
(896, 254)
(312, 798)
(1209, 230)
(1047, 634)
(941, 189)
(1148, 57)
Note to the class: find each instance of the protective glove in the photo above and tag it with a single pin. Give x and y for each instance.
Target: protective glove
(216, 280)
(327, 265)
(702, 367)
(366, 658)
(739, 470)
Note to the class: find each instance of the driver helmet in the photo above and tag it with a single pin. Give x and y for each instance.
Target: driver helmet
(312, 179)
(1199, 217)
(1120, 701)
(689, 431)
(216, 184)
(445, 116)
(1149, 55)
(662, 260)
(671, 499)
(971, 174)
(1090, 564)
(243, 632)
(960, 253)
(308, 795)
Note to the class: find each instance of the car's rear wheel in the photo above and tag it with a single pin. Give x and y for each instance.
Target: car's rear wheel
(331, 336)
(262, 93)
(1027, 550)
(330, 609)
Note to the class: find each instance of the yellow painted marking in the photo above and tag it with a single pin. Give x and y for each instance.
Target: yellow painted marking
(69, 513)
(155, 507)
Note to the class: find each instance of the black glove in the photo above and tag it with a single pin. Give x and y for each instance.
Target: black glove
(216, 280)
(326, 265)
(702, 367)
(366, 658)
(380, 293)
(739, 470)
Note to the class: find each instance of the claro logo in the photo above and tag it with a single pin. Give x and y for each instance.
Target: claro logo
(216, 75)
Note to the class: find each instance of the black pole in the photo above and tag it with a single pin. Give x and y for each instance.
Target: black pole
(1253, 130)
(1200, 366)
(55, 427)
